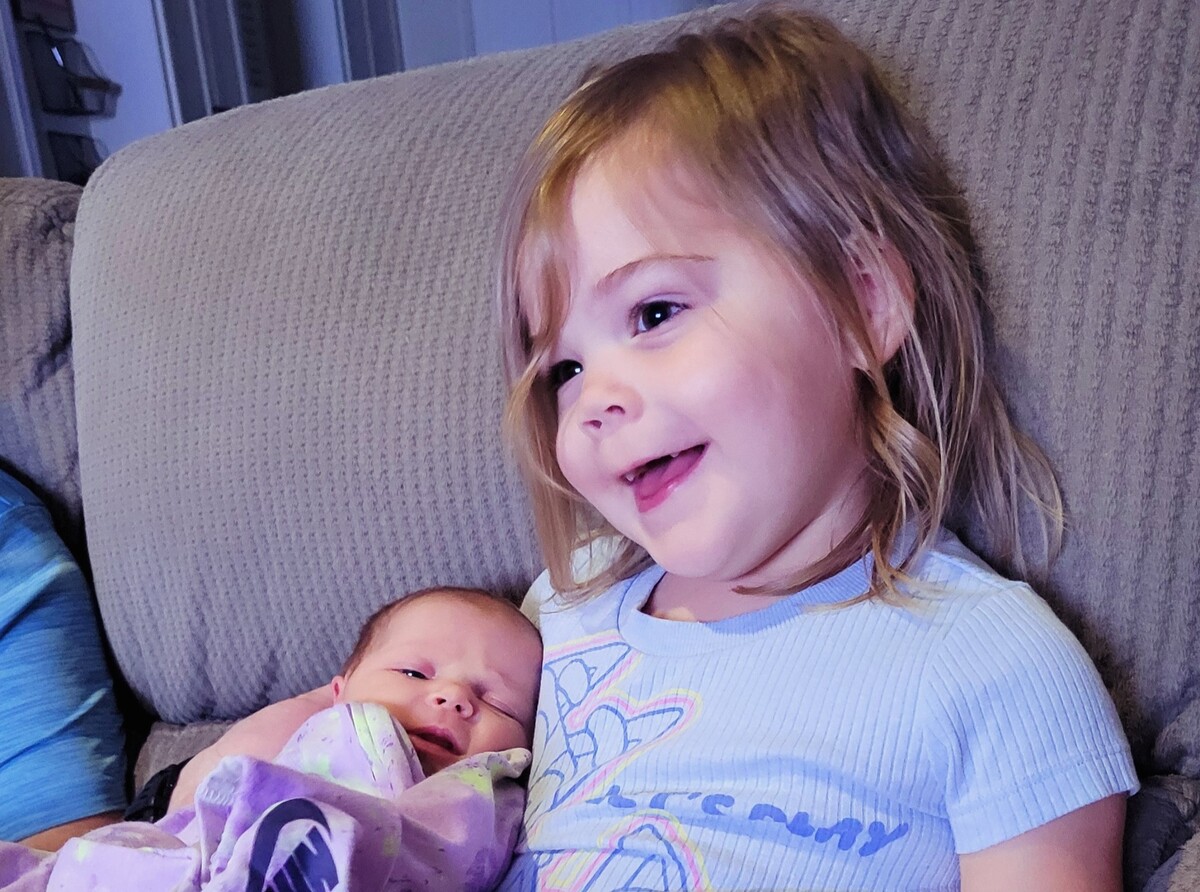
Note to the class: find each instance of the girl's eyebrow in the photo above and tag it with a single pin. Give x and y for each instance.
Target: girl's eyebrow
(614, 279)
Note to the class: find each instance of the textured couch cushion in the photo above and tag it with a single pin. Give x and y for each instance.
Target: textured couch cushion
(1159, 820)
(168, 744)
(37, 397)
(288, 387)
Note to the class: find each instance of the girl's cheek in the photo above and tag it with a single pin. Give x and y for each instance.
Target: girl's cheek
(567, 454)
(577, 463)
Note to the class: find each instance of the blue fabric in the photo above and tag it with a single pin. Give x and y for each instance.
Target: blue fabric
(62, 747)
(807, 746)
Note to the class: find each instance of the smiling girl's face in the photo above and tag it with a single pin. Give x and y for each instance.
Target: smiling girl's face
(460, 677)
(706, 408)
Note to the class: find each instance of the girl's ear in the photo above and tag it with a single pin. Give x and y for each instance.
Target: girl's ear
(886, 295)
(338, 684)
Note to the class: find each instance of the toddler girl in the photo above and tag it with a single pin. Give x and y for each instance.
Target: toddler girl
(741, 324)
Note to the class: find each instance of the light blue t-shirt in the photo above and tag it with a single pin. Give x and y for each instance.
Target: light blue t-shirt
(860, 747)
(61, 750)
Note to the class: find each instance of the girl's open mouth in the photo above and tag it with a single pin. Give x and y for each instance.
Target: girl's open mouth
(654, 481)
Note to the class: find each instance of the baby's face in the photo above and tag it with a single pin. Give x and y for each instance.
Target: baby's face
(461, 678)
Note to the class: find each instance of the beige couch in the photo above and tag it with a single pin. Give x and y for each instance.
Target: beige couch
(275, 391)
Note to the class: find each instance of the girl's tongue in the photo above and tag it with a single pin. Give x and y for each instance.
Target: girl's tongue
(656, 480)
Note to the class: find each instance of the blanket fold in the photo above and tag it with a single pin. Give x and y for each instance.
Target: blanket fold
(344, 806)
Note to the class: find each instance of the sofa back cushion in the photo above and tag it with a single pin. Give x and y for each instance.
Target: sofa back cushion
(288, 384)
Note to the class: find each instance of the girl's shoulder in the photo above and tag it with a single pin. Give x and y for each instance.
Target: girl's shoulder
(586, 562)
(967, 625)
(990, 628)
(951, 582)
(543, 604)
(1013, 712)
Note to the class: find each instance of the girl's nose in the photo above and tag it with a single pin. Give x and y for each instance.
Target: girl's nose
(606, 402)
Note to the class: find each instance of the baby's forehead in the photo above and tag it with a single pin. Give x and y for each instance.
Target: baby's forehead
(501, 618)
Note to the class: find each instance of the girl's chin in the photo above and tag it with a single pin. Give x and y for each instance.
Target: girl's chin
(682, 555)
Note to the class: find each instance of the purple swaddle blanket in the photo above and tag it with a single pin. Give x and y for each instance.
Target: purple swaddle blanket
(345, 806)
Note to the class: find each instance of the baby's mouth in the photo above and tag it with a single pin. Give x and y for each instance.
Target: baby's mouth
(438, 737)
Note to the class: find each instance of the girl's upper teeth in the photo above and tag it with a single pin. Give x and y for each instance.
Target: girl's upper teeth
(637, 472)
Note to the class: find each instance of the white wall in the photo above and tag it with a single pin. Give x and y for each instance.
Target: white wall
(492, 26)
(123, 38)
(122, 42)
(321, 54)
(20, 155)
(436, 32)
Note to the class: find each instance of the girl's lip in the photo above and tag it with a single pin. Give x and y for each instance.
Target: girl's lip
(652, 485)
(631, 474)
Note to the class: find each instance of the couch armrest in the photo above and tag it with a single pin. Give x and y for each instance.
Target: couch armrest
(168, 744)
(37, 390)
(1162, 836)
(1180, 872)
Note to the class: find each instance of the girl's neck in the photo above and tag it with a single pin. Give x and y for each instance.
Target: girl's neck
(700, 600)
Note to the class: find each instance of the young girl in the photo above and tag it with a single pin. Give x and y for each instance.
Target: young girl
(742, 331)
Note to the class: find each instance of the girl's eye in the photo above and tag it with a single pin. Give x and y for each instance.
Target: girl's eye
(414, 673)
(654, 313)
(562, 372)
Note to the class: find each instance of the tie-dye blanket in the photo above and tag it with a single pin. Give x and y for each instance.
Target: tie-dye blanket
(344, 807)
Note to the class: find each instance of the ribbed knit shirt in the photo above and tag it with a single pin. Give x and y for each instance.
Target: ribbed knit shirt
(800, 747)
(61, 744)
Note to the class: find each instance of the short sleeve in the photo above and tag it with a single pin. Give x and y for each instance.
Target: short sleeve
(540, 591)
(1018, 721)
(586, 562)
(62, 751)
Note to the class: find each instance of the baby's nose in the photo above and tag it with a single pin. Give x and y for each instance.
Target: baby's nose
(456, 697)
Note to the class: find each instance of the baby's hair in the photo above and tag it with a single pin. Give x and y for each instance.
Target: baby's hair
(475, 597)
(789, 129)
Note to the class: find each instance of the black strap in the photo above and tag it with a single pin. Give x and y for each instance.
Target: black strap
(150, 804)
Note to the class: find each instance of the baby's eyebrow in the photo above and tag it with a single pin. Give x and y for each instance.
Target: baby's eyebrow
(612, 280)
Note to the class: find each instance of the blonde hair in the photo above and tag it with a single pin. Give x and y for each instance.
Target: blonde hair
(791, 130)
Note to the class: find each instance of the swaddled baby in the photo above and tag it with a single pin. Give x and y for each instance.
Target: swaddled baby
(404, 769)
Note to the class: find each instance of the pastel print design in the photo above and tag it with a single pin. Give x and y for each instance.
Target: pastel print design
(648, 852)
(597, 729)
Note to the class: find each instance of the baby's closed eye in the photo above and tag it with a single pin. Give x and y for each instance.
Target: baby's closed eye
(501, 706)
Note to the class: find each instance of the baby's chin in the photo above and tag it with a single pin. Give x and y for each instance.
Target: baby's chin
(431, 765)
